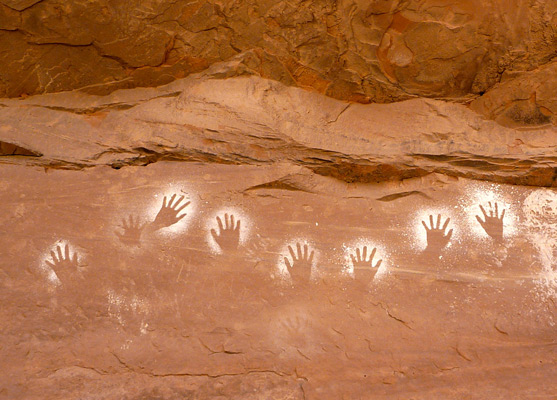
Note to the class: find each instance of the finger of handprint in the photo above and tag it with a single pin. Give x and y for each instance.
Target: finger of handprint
(292, 253)
(238, 225)
(446, 224)
(431, 222)
(214, 234)
(299, 251)
(372, 254)
(180, 217)
(231, 221)
(496, 211)
(358, 254)
(226, 221)
(311, 257)
(67, 252)
(53, 255)
(124, 223)
(364, 253)
(178, 201)
(175, 203)
(164, 202)
(449, 235)
(51, 265)
(378, 263)
(438, 221)
(74, 260)
(480, 220)
(171, 200)
(60, 256)
(502, 214)
(483, 211)
(183, 206)
(288, 265)
(425, 226)
(219, 221)
(353, 259)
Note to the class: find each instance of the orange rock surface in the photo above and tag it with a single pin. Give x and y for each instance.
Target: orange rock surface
(278, 200)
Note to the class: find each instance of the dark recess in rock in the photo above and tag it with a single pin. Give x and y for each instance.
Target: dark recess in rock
(10, 149)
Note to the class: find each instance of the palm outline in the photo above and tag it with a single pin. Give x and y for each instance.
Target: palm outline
(228, 237)
(168, 214)
(436, 237)
(62, 263)
(493, 224)
(300, 269)
(132, 231)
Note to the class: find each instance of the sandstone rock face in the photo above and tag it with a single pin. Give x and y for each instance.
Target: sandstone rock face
(381, 51)
(233, 237)
(267, 122)
(278, 200)
(525, 100)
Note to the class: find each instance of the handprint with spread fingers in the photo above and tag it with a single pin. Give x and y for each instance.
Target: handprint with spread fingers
(63, 264)
(228, 237)
(133, 229)
(296, 328)
(493, 224)
(436, 237)
(300, 269)
(363, 266)
(168, 214)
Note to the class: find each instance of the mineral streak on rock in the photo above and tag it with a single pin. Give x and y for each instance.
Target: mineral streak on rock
(278, 200)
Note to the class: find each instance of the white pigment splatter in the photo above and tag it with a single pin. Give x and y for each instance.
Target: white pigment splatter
(115, 303)
(483, 195)
(540, 214)
(419, 243)
(118, 303)
(157, 201)
(282, 270)
(540, 210)
(46, 256)
(239, 215)
(380, 254)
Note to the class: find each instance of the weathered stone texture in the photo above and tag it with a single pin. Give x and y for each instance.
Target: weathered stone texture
(168, 314)
(278, 200)
(524, 99)
(381, 51)
(267, 122)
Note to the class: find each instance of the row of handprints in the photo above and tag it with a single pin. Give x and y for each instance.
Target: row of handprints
(298, 261)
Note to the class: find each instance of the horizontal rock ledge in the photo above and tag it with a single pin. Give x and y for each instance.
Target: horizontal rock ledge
(254, 121)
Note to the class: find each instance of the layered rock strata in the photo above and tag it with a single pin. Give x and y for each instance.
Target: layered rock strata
(382, 51)
(244, 239)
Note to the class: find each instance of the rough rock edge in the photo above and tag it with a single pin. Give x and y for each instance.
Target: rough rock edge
(253, 121)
